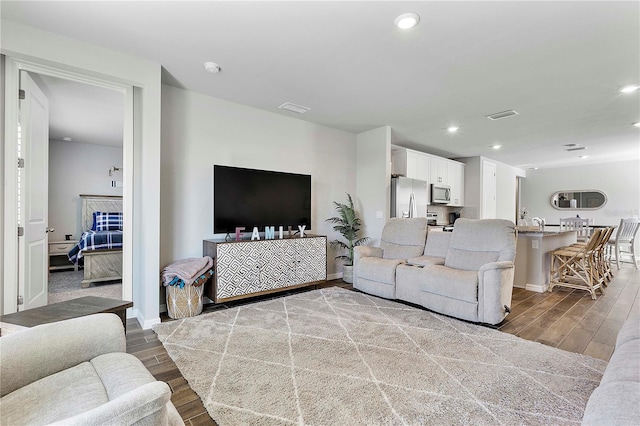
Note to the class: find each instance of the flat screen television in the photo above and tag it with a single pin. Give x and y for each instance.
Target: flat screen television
(248, 198)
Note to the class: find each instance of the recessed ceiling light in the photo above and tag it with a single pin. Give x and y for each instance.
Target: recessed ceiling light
(452, 129)
(584, 156)
(67, 139)
(630, 88)
(496, 146)
(637, 124)
(407, 20)
(212, 67)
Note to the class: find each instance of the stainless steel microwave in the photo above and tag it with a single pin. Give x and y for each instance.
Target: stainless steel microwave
(440, 194)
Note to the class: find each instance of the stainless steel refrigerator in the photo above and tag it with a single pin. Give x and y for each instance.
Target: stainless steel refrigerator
(409, 197)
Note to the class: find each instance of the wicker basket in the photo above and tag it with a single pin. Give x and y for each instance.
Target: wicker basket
(184, 302)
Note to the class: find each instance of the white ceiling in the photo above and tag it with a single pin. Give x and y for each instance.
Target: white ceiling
(82, 112)
(559, 64)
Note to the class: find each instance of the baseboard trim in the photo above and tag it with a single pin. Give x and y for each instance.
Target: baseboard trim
(336, 276)
(146, 324)
(132, 313)
(538, 288)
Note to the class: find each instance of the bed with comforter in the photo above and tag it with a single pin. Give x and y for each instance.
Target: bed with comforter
(100, 246)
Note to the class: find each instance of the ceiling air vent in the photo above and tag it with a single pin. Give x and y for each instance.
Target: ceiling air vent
(298, 109)
(576, 148)
(503, 114)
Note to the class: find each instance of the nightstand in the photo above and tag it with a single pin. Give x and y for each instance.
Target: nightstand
(57, 249)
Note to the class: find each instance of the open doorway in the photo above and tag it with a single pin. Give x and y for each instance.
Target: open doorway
(85, 147)
(85, 152)
(95, 116)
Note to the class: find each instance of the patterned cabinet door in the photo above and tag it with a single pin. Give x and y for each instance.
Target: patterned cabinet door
(311, 259)
(256, 266)
(277, 266)
(238, 269)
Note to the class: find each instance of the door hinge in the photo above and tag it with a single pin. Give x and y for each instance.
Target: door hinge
(21, 163)
(20, 301)
(20, 231)
(21, 94)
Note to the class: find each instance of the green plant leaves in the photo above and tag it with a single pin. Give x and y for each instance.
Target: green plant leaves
(348, 224)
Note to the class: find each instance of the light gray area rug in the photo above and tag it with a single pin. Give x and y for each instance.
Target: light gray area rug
(65, 285)
(338, 357)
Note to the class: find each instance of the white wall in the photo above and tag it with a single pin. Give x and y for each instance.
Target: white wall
(620, 181)
(373, 166)
(199, 131)
(47, 49)
(78, 168)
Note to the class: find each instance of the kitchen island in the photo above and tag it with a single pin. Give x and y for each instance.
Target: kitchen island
(533, 261)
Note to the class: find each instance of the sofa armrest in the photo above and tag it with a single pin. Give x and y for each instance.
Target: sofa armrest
(495, 287)
(30, 355)
(363, 251)
(366, 251)
(147, 402)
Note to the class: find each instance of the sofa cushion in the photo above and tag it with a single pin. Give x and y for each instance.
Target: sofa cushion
(426, 260)
(403, 238)
(624, 364)
(614, 403)
(379, 270)
(630, 330)
(437, 244)
(478, 242)
(452, 283)
(54, 397)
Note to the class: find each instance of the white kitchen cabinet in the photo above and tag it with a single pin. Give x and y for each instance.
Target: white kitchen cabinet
(430, 168)
(455, 178)
(438, 173)
(411, 164)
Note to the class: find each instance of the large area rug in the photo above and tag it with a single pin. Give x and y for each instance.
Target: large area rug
(339, 357)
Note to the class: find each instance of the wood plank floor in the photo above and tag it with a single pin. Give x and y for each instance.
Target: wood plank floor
(565, 318)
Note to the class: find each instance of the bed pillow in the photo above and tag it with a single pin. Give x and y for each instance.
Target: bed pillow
(103, 221)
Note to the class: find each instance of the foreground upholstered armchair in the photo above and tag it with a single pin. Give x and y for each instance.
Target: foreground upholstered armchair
(76, 372)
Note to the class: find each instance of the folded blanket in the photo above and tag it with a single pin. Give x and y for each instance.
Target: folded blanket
(188, 270)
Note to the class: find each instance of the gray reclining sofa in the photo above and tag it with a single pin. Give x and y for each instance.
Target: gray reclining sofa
(467, 273)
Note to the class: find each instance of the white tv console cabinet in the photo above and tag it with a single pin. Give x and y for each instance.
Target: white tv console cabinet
(250, 268)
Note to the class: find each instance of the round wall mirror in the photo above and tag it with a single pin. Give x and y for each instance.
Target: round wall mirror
(589, 199)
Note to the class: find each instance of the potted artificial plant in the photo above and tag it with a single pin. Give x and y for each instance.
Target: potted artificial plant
(348, 224)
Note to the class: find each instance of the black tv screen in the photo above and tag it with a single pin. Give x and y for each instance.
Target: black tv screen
(248, 198)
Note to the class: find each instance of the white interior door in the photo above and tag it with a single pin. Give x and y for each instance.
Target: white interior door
(489, 185)
(33, 181)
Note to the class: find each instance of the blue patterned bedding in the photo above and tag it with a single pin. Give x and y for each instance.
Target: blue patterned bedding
(95, 240)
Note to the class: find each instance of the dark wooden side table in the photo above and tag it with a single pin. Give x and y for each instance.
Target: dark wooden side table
(74, 308)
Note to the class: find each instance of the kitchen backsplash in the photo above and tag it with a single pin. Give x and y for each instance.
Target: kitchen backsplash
(443, 212)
